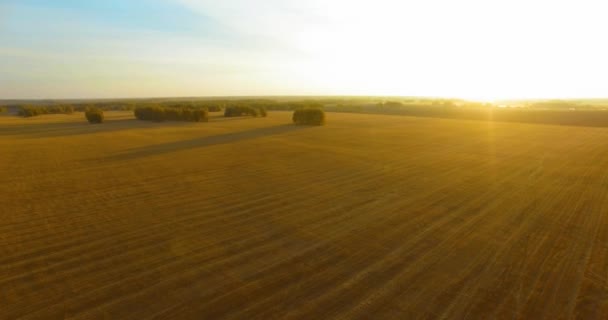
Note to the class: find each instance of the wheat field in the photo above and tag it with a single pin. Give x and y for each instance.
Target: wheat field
(368, 217)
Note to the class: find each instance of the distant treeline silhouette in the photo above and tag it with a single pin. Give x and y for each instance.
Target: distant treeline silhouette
(244, 107)
(175, 113)
(31, 111)
(484, 112)
(245, 110)
(588, 112)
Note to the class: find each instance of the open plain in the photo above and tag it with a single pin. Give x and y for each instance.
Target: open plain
(368, 217)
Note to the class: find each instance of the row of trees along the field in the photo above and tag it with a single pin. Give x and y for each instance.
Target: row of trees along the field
(244, 110)
(159, 113)
(242, 107)
(565, 112)
(185, 110)
(31, 111)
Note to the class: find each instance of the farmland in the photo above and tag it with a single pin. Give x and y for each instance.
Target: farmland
(367, 217)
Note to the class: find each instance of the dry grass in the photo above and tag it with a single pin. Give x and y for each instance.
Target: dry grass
(369, 217)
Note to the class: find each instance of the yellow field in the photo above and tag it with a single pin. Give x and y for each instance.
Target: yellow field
(368, 217)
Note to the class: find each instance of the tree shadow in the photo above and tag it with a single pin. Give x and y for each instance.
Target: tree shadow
(222, 118)
(69, 128)
(219, 117)
(59, 129)
(171, 147)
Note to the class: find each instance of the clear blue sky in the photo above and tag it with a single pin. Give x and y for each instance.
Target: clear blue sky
(136, 48)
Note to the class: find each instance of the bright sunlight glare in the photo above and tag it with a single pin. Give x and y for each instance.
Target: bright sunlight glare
(471, 49)
(481, 50)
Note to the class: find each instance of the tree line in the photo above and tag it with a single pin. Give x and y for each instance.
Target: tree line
(160, 113)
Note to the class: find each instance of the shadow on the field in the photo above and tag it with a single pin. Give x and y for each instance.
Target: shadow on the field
(36, 129)
(222, 118)
(170, 147)
(59, 129)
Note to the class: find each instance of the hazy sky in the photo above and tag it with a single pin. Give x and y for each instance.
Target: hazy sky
(467, 48)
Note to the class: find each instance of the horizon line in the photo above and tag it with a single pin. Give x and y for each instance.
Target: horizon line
(308, 96)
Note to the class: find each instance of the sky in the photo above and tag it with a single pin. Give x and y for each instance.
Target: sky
(472, 49)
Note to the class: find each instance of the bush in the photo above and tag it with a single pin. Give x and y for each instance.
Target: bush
(199, 115)
(105, 106)
(211, 106)
(31, 111)
(309, 117)
(158, 113)
(214, 108)
(67, 109)
(239, 111)
(94, 115)
(262, 111)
